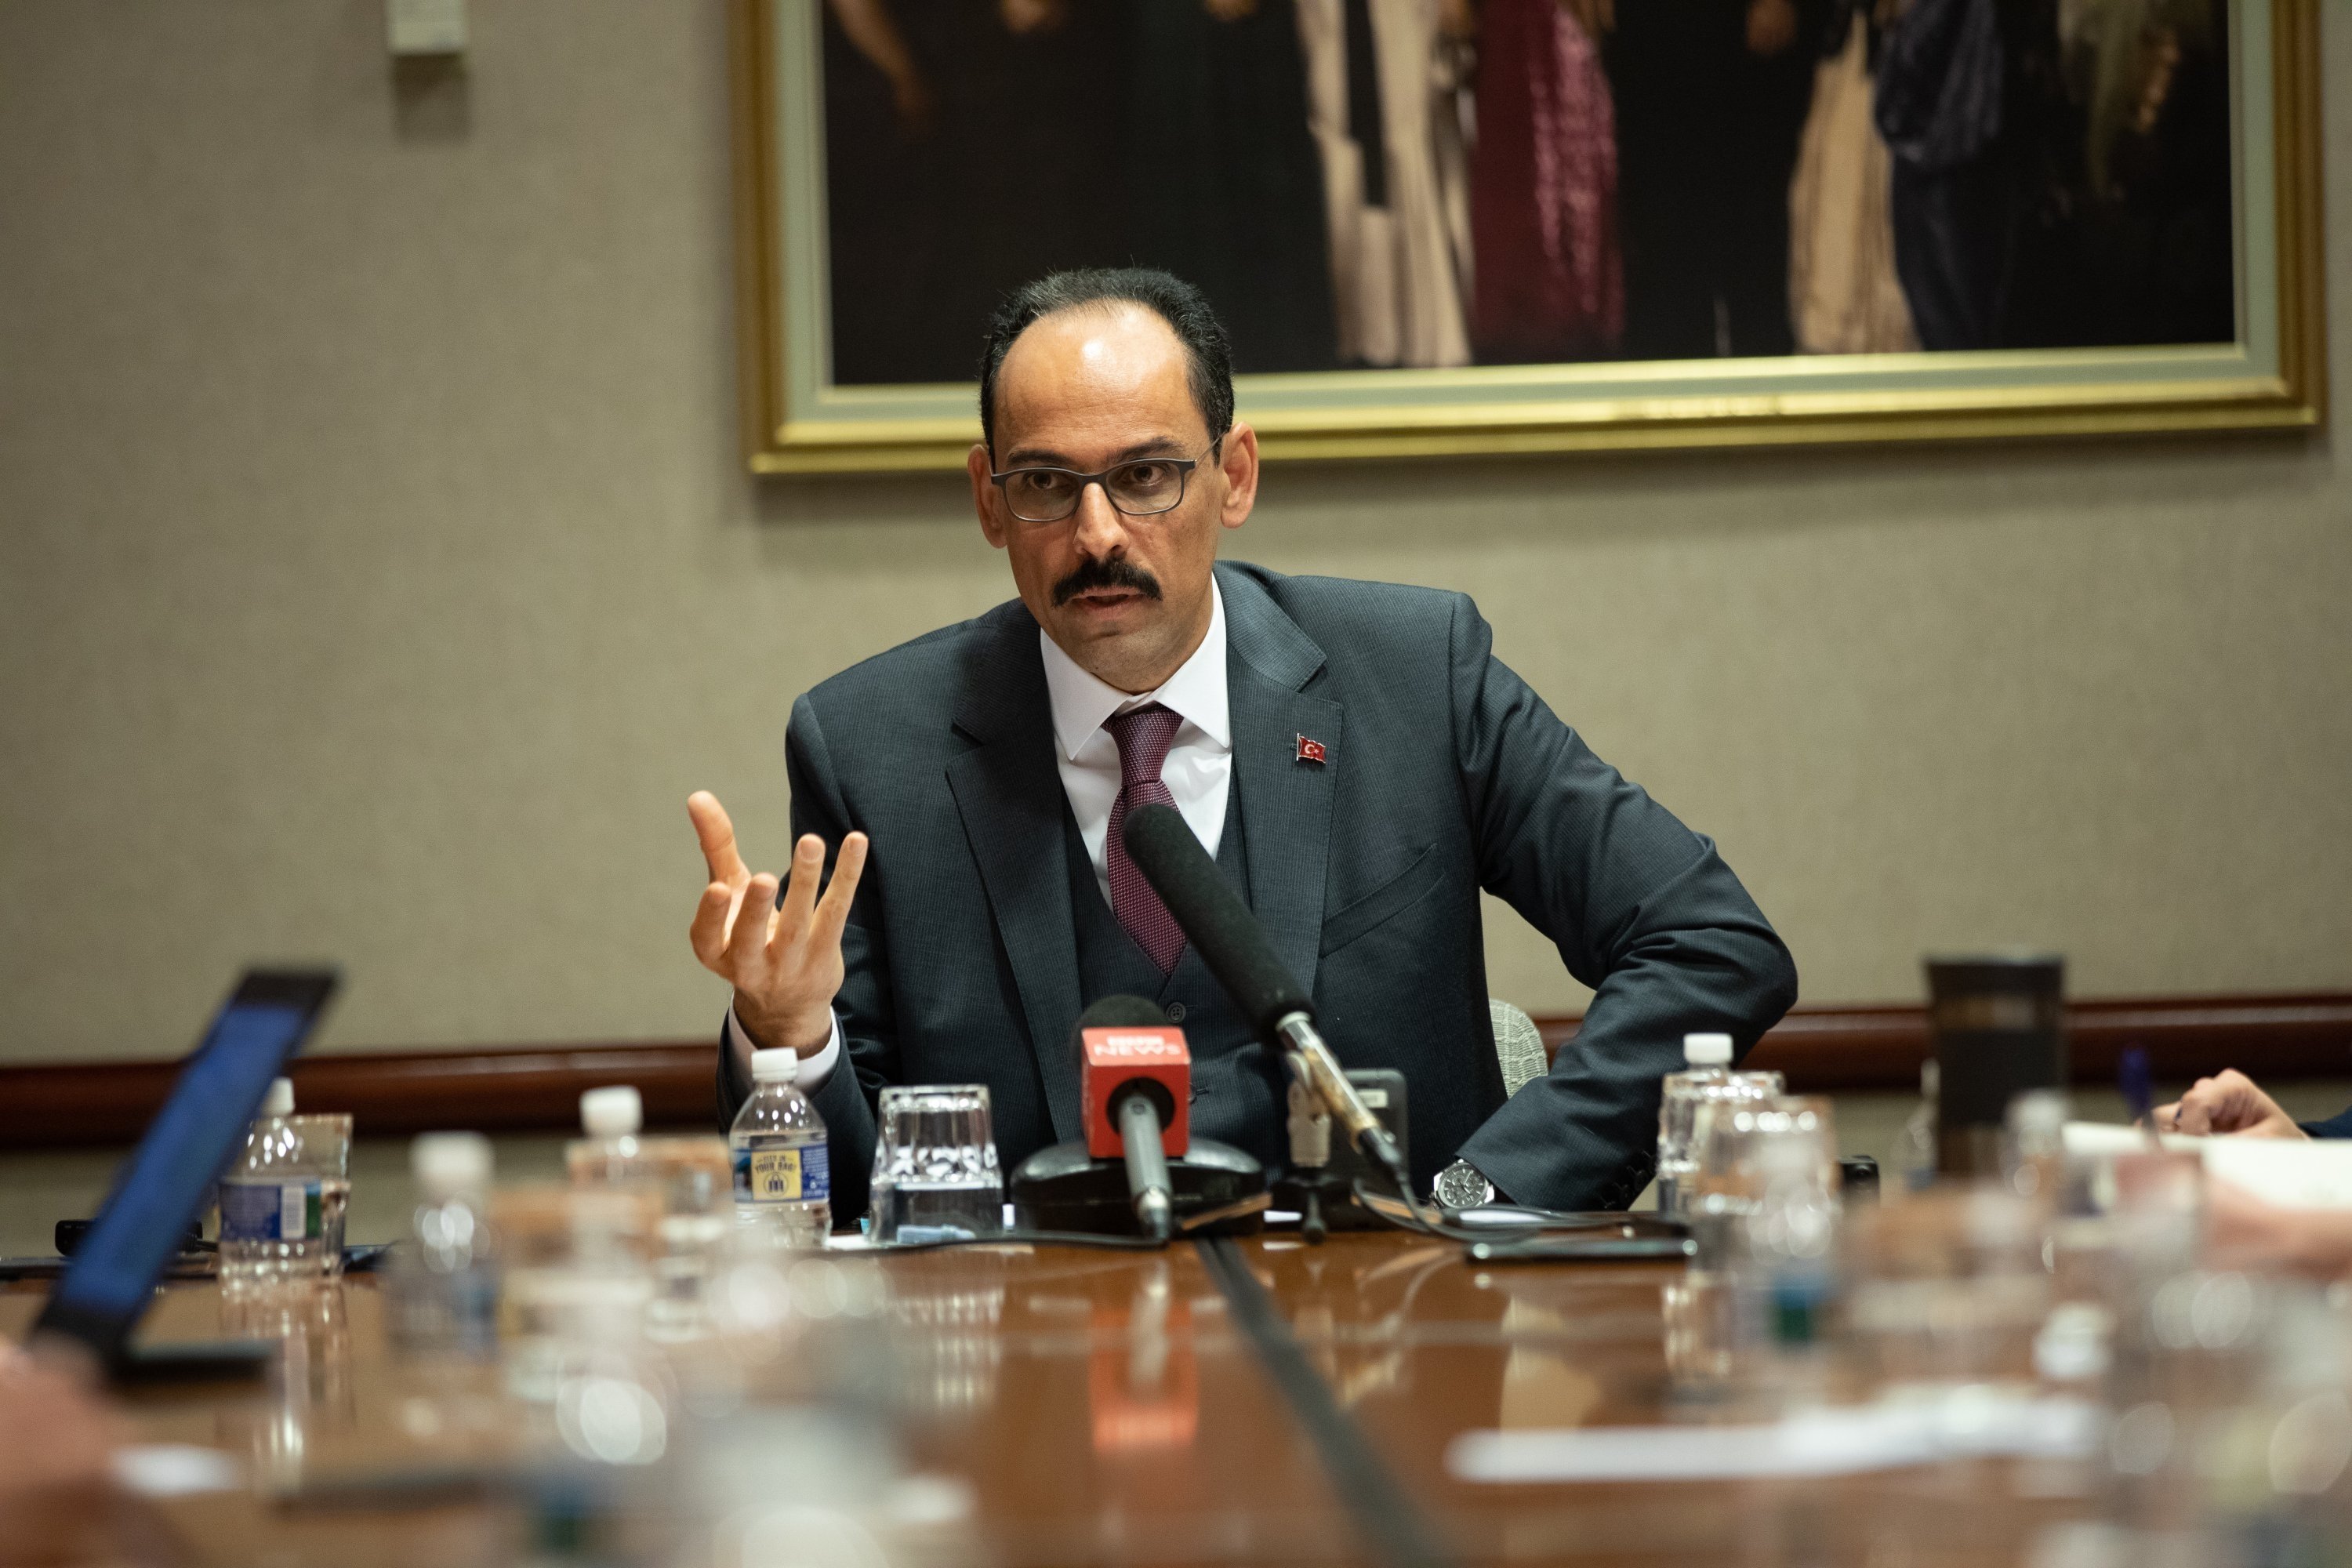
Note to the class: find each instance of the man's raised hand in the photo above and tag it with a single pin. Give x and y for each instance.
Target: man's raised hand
(782, 956)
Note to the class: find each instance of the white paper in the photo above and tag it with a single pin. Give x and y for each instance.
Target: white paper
(2292, 1173)
(174, 1469)
(1891, 1435)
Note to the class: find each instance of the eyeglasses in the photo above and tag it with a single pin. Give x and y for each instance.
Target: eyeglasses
(1137, 488)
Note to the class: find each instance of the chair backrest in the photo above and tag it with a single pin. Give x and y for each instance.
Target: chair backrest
(1518, 1045)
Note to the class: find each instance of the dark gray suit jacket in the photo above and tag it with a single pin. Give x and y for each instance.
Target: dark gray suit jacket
(1445, 774)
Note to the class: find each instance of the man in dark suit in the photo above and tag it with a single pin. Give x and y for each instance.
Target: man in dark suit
(1351, 753)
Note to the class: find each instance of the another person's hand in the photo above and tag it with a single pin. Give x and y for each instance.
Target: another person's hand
(784, 961)
(1772, 26)
(57, 1453)
(2229, 1102)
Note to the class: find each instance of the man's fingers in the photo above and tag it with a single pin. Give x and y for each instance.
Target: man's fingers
(709, 931)
(716, 832)
(832, 911)
(799, 894)
(746, 944)
(2227, 1102)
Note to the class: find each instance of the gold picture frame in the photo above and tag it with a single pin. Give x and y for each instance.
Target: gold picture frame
(2271, 378)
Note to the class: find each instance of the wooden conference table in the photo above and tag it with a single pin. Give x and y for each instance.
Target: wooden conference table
(1071, 1405)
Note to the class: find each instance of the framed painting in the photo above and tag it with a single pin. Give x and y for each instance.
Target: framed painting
(1460, 227)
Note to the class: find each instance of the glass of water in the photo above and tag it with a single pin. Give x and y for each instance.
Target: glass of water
(282, 1203)
(935, 1171)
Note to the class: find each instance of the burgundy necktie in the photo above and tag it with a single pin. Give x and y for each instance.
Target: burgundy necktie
(1143, 737)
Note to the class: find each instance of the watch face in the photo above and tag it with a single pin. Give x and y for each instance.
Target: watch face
(1460, 1186)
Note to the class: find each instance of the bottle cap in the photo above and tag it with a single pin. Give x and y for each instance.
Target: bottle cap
(1708, 1050)
(775, 1067)
(450, 1166)
(2041, 1111)
(615, 1111)
(280, 1100)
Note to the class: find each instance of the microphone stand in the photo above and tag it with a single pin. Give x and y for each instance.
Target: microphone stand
(1313, 1062)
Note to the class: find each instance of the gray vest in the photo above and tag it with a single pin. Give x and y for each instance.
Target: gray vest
(1238, 1095)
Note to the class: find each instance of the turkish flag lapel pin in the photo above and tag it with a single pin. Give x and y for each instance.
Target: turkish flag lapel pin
(1310, 751)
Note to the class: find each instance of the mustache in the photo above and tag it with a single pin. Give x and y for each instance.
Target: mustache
(1117, 572)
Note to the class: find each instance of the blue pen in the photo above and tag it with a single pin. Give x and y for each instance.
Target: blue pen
(2133, 1077)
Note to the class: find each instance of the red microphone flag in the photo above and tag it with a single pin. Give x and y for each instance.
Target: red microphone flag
(1115, 1056)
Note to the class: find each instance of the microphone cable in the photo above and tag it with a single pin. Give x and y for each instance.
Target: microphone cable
(1544, 1221)
(1031, 1238)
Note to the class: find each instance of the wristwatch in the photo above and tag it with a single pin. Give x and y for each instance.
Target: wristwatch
(1462, 1186)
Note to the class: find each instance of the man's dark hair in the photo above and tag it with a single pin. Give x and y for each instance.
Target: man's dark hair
(1208, 353)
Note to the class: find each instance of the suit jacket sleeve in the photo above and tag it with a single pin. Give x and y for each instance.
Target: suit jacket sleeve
(1643, 910)
(869, 1038)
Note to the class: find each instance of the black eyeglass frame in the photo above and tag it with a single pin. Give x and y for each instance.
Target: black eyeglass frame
(1184, 467)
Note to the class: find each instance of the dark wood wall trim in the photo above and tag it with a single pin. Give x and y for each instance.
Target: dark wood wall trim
(494, 1088)
(510, 1089)
(2281, 1038)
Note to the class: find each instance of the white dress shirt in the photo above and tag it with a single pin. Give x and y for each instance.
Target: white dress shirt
(1199, 772)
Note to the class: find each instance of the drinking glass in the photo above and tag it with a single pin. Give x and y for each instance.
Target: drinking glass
(1947, 1288)
(1767, 1158)
(1678, 1128)
(935, 1171)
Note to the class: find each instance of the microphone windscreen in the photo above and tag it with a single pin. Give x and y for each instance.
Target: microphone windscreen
(1114, 1013)
(1213, 918)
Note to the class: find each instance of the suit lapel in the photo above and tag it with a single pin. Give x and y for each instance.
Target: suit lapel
(1286, 802)
(1009, 795)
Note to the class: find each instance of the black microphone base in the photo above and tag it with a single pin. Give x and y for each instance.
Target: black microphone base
(1061, 1188)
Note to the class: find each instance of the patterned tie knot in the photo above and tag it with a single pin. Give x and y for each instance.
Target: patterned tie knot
(1143, 737)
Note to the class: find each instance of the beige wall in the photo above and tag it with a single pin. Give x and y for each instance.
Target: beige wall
(377, 576)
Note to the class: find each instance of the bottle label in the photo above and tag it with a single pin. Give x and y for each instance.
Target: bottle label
(797, 1175)
(269, 1210)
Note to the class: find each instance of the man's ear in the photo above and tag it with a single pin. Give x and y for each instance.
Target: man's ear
(985, 496)
(1237, 459)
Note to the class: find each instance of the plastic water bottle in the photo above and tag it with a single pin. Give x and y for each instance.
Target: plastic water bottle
(1708, 1059)
(445, 1284)
(691, 1178)
(1914, 1146)
(282, 1200)
(611, 1120)
(783, 1171)
(1788, 1271)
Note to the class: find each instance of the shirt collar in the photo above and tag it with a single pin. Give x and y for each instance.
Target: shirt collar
(1195, 693)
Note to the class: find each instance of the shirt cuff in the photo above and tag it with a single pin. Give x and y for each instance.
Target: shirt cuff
(814, 1071)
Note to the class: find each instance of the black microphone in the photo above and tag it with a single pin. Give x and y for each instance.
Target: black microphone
(1135, 1079)
(1234, 945)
